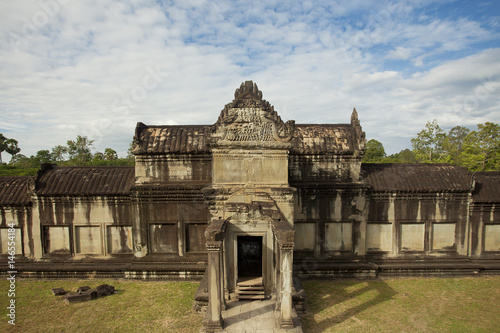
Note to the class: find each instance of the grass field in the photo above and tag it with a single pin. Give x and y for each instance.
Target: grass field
(404, 305)
(395, 305)
(139, 306)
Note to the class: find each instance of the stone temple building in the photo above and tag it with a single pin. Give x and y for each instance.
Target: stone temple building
(252, 201)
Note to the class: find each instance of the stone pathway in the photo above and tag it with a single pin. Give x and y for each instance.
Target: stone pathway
(254, 317)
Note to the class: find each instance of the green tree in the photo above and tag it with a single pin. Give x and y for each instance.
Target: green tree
(110, 154)
(59, 153)
(42, 156)
(98, 157)
(21, 161)
(453, 145)
(374, 152)
(79, 150)
(12, 147)
(3, 146)
(404, 156)
(428, 145)
(481, 148)
(8, 145)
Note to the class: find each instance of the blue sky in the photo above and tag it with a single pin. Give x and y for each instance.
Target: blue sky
(96, 68)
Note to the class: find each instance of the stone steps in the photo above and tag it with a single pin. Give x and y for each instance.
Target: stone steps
(250, 289)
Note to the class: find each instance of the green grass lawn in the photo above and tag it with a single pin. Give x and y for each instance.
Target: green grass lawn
(404, 305)
(139, 306)
(393, 305)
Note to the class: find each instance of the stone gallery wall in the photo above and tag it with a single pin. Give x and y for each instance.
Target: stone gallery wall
(334, 219)
(252, 169)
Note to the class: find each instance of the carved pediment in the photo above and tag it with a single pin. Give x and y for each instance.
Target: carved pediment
(251, 121)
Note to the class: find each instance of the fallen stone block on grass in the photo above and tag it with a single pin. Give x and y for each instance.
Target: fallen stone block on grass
(76, 297)
(85, 293)
(58, 291)
(105, 290)
(82, 289)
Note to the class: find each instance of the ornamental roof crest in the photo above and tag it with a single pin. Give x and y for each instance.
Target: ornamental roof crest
(251, 121)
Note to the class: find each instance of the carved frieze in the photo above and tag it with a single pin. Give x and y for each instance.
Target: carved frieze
(250, 121)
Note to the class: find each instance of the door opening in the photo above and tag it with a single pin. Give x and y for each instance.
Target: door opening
(249, 256)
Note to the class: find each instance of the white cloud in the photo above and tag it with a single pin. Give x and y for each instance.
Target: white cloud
(86, 70)
(401, 53)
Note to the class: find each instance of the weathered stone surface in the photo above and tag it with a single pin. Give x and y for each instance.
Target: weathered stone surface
(58, 291)
(81, 290)
(77, 297)
(250, 168)
(85, 293)
(201, 296)
(105, 290)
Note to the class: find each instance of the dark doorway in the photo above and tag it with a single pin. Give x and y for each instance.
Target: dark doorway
(249, 256)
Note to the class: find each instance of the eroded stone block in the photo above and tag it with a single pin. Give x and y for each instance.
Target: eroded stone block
(105, 290)
(58, 291)
(77, 297)
(80, 290)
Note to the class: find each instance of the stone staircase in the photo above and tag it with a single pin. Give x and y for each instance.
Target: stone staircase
(250, 288)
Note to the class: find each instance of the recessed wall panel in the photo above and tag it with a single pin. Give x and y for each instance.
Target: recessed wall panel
(338, 236)
(379, 237)
(56, 240)
(443, 236)
(119, 239)
(412, 237)
(163, 238)
(492, 237)
(15, 240)
(88, 240)
(305, 236)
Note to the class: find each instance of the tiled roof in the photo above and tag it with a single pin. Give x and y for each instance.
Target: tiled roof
(487, 189)
(416, 177)
(14, 191)
(190, 139)
(193, 139)
(324, 138)
(85, 180)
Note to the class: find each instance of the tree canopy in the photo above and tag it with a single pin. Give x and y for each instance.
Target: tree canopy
(8, 145)
(478, 150)
(75, 152)
(374, 152)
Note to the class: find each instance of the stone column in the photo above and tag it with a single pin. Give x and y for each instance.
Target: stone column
(222, 273)
(139, 228)
(213, 317)
(286, 262)
(278, 274)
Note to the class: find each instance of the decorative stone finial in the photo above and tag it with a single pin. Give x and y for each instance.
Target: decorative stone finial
(248, 90)
(354, 117)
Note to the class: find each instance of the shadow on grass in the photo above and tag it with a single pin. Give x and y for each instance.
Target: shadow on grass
(330, 303)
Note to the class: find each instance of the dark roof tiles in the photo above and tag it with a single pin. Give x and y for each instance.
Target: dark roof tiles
(189, 139)
(14, 191)
(487, 189)
(417, 177)
(194, 139)
(84, 181)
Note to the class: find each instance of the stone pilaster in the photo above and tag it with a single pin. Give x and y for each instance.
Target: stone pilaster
(286, 263)
(213, 317)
